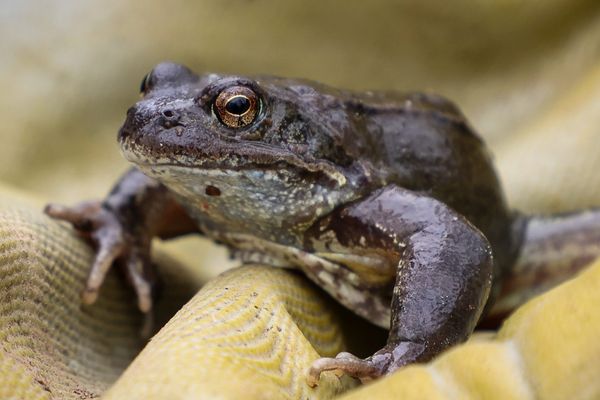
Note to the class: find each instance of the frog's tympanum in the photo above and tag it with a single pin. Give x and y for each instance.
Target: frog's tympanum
(387, 201)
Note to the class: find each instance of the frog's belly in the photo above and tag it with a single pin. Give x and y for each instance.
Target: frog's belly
(358, 289)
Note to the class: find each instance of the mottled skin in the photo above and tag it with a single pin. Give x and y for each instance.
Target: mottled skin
(387, 201)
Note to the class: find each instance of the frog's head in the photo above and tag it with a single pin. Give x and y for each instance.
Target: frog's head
(267, 151)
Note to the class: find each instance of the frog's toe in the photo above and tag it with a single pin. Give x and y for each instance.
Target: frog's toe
(346, 363)
(81, 216)
(111, 245)
(140, 273)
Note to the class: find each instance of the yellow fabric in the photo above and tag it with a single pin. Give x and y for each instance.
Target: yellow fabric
(48, 340)
(251, 333)
(17, 382)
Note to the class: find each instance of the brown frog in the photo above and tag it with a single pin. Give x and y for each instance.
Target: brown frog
(387, 201)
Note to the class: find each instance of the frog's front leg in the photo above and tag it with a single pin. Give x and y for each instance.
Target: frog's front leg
(122, 227)
(443, 275)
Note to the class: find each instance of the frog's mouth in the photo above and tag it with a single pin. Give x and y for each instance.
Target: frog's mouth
(234, 156)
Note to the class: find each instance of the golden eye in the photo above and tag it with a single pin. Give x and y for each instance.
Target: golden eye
(237, 106)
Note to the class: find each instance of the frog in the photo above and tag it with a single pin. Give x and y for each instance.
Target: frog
(389, 201)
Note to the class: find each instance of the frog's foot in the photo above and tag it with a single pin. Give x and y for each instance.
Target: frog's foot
(346, 363)
(113, 242)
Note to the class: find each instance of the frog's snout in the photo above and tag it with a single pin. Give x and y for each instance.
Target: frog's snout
(133, 123)
(139, 118)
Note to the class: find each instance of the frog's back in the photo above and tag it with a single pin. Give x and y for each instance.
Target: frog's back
(422, 142)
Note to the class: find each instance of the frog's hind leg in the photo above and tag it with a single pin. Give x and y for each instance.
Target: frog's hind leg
(443, 276)
(554, 248)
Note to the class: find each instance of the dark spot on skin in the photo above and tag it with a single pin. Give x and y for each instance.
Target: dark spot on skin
(212, 191)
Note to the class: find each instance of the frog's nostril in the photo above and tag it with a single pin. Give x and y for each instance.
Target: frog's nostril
(169, 118)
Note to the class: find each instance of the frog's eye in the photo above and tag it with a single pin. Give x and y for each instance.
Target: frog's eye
(237, 106)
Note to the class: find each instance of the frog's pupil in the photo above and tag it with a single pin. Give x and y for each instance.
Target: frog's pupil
(238, 105)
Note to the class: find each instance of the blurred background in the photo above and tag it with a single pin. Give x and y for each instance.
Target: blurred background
(526, 74)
